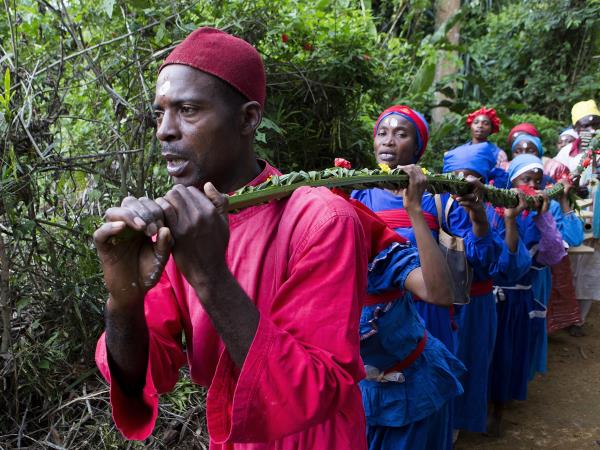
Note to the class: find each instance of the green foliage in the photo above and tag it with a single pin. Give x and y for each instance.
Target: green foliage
(508, 52)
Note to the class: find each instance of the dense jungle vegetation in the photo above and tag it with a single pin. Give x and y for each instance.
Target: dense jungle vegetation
(77, 135)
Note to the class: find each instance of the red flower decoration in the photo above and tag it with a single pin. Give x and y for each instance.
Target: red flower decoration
(527, 190)
(285, 38)
(308, 47)
(341, 162)
(586, 162)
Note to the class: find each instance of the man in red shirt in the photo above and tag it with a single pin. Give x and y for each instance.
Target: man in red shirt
(268, 298)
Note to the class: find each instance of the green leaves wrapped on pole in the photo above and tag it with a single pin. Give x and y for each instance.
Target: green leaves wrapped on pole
(282, 186)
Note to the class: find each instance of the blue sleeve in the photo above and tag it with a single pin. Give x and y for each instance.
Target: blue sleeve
(458, 223)
(358, 195)
(569, 225)
(391, 267)
(511, 267)
(481, 251)
(500, 178)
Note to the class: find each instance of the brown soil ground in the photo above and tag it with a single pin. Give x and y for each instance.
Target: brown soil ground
(563, 409)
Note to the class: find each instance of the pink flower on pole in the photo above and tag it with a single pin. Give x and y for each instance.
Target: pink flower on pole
(341, 162)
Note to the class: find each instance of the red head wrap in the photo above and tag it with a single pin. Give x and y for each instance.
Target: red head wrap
(524, 127)
(227, 57)
(491, 113)
(414, 117)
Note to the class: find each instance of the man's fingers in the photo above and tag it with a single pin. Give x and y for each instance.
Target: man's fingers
(219, 200)
(164, 244)
(108, 230)
(169, 211)
(143, 213)
(131, 219)
(156, 213)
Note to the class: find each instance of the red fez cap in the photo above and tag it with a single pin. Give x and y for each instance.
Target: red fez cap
(227, 57)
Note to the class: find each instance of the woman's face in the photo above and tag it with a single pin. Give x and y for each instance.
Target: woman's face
(395, 141)
(531, 178)
(525, 147)
(564, 140)
(481, 128)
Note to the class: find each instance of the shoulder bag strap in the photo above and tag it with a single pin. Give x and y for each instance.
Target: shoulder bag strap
(438, 208)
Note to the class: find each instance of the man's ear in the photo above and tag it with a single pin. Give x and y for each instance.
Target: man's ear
(251, 116)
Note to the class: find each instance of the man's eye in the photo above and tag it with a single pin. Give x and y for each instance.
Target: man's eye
(187, 110)
(158, 114)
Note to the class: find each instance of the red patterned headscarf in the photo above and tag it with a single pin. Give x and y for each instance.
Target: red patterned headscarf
(414, 117)
(224, 56)
(525, 127)
(491, 113)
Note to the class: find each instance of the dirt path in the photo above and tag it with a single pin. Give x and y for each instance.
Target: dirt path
(563, 409)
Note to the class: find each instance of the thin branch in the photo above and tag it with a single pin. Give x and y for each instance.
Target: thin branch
(13, 39)
(85, 50)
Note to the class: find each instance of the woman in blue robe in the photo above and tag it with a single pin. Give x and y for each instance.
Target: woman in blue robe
(482, 124)
(477, 320)
(389, 206)
(411, 375)
(571, 229)
(517, 308)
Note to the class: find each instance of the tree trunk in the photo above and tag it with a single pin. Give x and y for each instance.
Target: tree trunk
(444, 10)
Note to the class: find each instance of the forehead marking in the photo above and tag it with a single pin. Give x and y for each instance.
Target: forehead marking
(164, 88)
(393, 122)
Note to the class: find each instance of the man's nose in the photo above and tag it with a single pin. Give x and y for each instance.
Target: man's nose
(167, 127)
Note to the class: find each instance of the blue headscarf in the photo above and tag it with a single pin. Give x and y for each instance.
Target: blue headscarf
(527, 137)
(522, 164)
(478, 158)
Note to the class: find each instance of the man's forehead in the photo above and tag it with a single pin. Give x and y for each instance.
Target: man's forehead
(589, 119)
(180, 80)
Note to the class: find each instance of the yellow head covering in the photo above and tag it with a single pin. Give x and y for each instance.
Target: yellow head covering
(582, 109)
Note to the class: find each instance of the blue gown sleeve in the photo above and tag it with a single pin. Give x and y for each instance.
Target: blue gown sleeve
(390, 268)
(510, 267)
(569, 225)
(482, 252)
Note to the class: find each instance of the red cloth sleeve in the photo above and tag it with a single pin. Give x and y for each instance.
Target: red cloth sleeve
(135, 418)
(304, 363)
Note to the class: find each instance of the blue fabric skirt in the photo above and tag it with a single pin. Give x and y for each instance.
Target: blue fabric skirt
(430, 433)
(538, 344)
(477, 324)
(509, 372)
(430, 383)
(438, 322)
